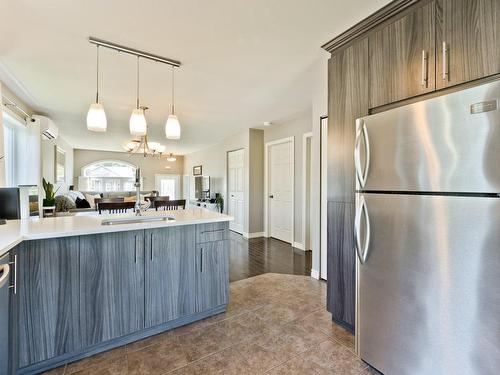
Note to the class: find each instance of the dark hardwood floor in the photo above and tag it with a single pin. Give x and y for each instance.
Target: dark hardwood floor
(257, 256)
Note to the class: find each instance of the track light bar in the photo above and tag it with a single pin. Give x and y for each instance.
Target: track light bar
(133, 51)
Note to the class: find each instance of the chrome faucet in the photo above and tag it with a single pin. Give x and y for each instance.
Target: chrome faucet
(137, 206)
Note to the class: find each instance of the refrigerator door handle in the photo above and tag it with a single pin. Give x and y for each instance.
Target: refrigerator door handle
(362, 250)
(361, 173)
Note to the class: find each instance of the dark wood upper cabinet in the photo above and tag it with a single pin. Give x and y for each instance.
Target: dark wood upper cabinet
(347, 101)
(468, 40)
(402, 57)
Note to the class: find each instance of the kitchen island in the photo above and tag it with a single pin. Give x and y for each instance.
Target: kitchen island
(80, 287)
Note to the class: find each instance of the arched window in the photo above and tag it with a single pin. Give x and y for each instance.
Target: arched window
(107, 175)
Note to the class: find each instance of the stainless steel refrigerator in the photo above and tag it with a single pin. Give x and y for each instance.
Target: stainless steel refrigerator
(428, 235)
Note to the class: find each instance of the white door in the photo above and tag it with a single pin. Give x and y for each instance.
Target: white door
(324, 203)
(281, 191)
(167, 185)
(235, 184)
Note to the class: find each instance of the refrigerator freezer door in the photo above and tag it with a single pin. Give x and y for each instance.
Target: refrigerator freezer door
(445, 144)
(428, 291)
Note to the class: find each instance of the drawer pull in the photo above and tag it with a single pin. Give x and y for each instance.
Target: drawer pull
(212, 231)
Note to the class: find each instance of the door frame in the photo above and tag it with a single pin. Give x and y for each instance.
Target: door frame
(323, 241)
(245, 203)
(177, 177)
(305, 137)
(266, 184)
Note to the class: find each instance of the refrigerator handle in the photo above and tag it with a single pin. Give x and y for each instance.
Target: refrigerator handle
(361, 131)
(362, 211)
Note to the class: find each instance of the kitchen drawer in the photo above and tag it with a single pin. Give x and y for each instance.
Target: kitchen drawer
(212, 232)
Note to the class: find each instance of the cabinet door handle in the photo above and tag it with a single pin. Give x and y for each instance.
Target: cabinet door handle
(213, 231)
(445, 61)
(201, 260)
(14, 263)
(152, 248)
(135, 249)
(424, 68)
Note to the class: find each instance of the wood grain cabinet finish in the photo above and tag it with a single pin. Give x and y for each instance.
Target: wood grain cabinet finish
(470, 31)
(341, 290)
(212, 275)
(111, 285)
(47, 299)
(348, 100)
(170, 274)
(402, 57)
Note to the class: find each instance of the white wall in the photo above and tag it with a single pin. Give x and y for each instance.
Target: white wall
(319, 108)
(48, 155)
(149, 165)
(293, 128)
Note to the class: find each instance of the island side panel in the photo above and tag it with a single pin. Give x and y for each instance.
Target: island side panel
(47, 299)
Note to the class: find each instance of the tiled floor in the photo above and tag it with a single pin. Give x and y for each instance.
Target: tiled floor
(275, 324)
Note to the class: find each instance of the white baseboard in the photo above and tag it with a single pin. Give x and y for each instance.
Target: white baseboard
(298, 245)
(253, 235)
(315, 274)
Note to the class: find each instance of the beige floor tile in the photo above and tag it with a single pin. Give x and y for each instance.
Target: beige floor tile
(204, 342)
(101, 360)
(227, 362)
(157, 359)
(56, 371)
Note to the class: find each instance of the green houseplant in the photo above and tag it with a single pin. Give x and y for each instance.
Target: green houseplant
(219, 201)
(50, 194)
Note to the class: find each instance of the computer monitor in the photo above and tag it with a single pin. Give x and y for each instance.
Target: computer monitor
(10, 205)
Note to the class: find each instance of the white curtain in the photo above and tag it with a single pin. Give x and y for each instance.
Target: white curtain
(2, 153)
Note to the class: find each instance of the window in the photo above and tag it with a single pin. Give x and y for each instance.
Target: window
(167, 185)
(15, 146)
(108, 175)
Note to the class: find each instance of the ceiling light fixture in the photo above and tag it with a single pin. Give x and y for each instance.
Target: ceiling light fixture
(173, 127)
(96, 117)
(138, 125)
(171, 157)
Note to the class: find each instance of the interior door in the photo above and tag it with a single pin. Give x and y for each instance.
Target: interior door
(468, 39)
(235, 188)
(281, 181)
(428, 288)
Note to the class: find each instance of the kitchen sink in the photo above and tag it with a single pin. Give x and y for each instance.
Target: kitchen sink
(137, 220)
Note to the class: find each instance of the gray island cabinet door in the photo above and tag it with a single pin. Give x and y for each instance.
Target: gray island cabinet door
(170, 274)
(111, 285)
(212, 274)
(47, 299)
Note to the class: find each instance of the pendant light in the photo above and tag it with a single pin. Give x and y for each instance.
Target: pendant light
(172, 127)
(138, 125)
(171, 157)
(96, 117)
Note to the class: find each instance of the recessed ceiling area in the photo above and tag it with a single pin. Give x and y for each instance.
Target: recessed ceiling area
(243, 62)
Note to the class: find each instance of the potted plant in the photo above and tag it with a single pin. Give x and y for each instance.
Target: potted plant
(219, 201)
(50, 194)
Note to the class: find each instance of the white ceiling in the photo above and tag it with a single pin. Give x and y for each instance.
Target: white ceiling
(244, 62)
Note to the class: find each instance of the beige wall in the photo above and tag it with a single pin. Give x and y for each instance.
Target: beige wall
(48, 162)
(213, 159)
(293, 128)
(256, 181)
(149, 165)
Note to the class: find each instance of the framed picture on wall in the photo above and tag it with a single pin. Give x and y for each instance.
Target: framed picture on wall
(59, 164)
(197, 170)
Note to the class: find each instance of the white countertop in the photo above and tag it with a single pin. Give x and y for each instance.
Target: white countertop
(16, 231)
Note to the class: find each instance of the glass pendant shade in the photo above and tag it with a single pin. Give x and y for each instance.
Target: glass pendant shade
(173, 128)
(138, 125)
(96, 118)
(153, 146)
(161, 149)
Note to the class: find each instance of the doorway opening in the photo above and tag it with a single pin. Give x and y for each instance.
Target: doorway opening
(306, 191)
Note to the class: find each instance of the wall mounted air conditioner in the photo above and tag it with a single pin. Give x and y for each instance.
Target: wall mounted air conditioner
(48, 129)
